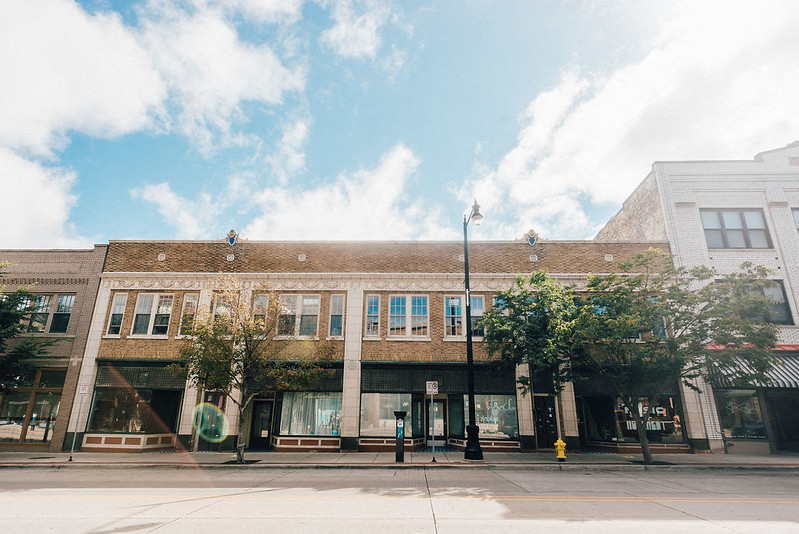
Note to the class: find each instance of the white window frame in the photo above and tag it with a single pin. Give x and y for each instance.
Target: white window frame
(152, 314)
(187, 299)
(342, 307)
(366, 330)
(409, 317)
(460, 332)
(47, 305)
(119, 301)
(298, 309)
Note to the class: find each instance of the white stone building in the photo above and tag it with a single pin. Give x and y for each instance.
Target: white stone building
(721, 214)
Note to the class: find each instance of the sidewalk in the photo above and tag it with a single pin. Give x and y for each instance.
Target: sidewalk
(449, 459)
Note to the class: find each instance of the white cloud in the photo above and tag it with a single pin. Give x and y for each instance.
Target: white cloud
(37, 203)
(356, 30)
(289, 156)
(65, 70)
(210, 72)
(716, 84)
(191, 219)
(366, 204)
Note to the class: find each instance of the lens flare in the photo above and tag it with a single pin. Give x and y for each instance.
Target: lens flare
(210, 423)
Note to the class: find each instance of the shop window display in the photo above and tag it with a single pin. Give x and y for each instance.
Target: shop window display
(377, 413)
(496, 415)
(741, 417)
(310, 414)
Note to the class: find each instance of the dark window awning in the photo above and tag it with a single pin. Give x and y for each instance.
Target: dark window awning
(783, 375)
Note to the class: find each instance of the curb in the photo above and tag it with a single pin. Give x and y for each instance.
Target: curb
(409, 466)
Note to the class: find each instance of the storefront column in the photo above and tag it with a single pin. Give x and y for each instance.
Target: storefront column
(351, 394)
(88, 369)
(525, 413)
(699, 416)
(567, 408)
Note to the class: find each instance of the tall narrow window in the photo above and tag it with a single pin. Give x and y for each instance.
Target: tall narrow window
(397, 316)
(309, 319)
(117, 312)
(188, 313)
(260, 305)
(778, 311)
(336, 315)
(476, 312)
(453, 316)
(288, 315)
(163, 312)
(63, 310)
(372, 316)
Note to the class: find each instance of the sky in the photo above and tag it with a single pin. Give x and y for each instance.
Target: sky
(327, 120)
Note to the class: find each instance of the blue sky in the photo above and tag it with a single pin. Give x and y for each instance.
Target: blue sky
(365, 119)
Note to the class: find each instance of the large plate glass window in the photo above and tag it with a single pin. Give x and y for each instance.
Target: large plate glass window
(310, 414)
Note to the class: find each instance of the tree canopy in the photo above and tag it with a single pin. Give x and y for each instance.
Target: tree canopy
(16, 352)
(641, 330)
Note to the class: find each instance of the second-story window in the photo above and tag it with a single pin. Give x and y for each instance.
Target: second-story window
(407, 316)
(299, 315)
(336, 315)
(152, 314)
(260, 306)
(188, 313)
(117, 312)
(372, 316)
(40, 319)
(735, 228)
(455, 316)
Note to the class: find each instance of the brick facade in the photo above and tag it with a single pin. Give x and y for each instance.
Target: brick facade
(59, 272)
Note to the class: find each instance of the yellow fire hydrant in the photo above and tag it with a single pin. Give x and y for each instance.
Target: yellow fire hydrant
(560, 450)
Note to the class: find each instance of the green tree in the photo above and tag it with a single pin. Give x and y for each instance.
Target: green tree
(646, 328)
(16, 353)
(235, 351)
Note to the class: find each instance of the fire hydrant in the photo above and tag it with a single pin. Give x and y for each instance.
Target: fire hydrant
(560, 450)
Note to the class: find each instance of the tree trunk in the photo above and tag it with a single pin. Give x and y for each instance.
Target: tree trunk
(240, 443)
(640, 423)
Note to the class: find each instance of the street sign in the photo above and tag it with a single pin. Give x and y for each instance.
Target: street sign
(432, 388)
(84, 389)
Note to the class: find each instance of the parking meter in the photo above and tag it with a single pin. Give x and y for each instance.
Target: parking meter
(400, 436)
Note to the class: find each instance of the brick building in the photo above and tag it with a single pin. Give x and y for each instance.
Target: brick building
(721, 214)
(393, 312)
(63, 284)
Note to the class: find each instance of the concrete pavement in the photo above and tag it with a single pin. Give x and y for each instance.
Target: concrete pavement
(443, 459)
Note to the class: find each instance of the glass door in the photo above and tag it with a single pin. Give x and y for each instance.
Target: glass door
(261, 427)
(438, 417)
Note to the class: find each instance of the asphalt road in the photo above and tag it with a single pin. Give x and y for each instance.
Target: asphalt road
(386, 500)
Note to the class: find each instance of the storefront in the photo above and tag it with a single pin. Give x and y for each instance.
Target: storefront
(28, 414)
(606, 423)
(135, 406)
(386, 388)
(763, 418)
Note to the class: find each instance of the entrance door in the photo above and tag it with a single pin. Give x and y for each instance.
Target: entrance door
(439, 420)
(546, 424)
(261, 424)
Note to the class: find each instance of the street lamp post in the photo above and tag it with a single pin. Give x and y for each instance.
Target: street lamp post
(473, 450)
